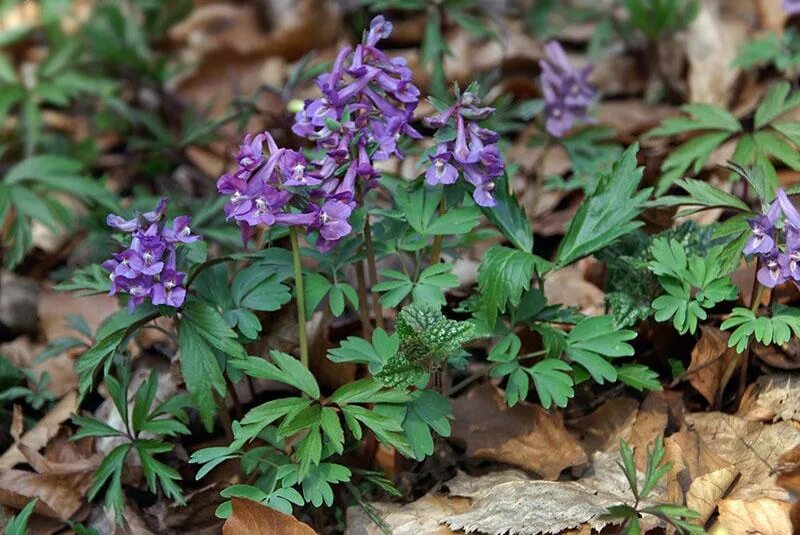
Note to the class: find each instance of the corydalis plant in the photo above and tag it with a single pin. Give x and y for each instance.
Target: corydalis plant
(466, 147)
(147, 269)
(567, 92)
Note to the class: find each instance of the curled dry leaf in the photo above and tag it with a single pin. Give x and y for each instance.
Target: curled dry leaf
(711, 356)
(752, 447)
(42, 432)
(252, 518)
(764, 516)
(771, 398)
(706, 491)
(786, 357)
(525, 435)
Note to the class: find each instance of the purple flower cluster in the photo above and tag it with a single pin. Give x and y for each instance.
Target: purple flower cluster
(779, 264)
(472, 151)
(367, 102)
(791, 7)
(567, 92)
(147, 269)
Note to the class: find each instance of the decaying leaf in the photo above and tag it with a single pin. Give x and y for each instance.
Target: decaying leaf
(416, 518)
(651, 421)
(711, 356)
(42, 432)
(764, 516)
(511, 502)
(751, 447)
(602, 429)
(525, 435)
(773, 397)
(252, 518)
(706, 491)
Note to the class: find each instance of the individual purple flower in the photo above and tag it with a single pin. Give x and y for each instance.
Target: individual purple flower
(763, 227)
(441, 171)
(771, 274)
(791, 7)
(147, 268)
(181, 231)
(332, 218)
(567, 91)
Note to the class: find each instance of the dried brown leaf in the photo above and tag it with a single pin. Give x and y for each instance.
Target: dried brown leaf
(771, 398)
(751, 447)
(57, 497)
(706, 491)
(252, 518)
(711, 356)
(525, 435)
(764, 516)
(651, 421)
(42, 432)
(602, 429)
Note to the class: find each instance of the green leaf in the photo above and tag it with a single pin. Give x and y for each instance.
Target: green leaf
(374, 354)
(212, 327)
(639, 377)
(200, 370)
(608, 213)
(552, 381)
(504, 274)
(110, 471)
(316, 287)
(593, 340)
(285, 369)
(510, 216)
(457, 221)
(692, 154)
(775, 103)
(18, 524)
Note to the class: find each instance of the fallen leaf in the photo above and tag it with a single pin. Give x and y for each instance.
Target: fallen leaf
(55, 306)
(57, 497)
(785, 357)
(789, 478)
(568, 287)
(706, 491)
(525, 435)
(651, 421)
(18, 303)
(420, 517)
(711, 356)
(252, 518)
(509, 502)
(605, 427)
(771, 398)
(42, 432)
(751, 447)
(762, 516)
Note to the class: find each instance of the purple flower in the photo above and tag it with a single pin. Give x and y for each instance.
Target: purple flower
(441, 171)
(332, 218)
(147, 268)
(791, 7)
(566, 91)
(771, 274)
(762, 227)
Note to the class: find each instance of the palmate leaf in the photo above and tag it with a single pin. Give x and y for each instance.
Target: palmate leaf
(510, 216)
(503, 276)
(553, 382)
(776, 329)
(608, 213)
(595, 339)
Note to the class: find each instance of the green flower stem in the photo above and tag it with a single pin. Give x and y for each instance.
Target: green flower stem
(377, 310)
(436, 253)
(300, 297)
